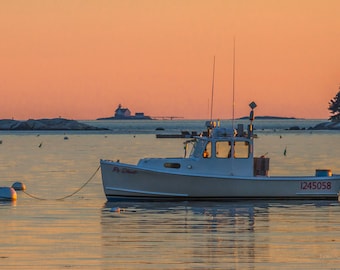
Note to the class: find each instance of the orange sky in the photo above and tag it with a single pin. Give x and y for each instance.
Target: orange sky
(80, 59)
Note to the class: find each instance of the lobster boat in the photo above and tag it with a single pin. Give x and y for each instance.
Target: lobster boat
(221, 166)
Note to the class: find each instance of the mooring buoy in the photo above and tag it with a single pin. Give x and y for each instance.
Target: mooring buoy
(19, 186)
(8, 194)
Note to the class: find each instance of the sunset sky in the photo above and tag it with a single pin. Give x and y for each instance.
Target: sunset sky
(79, 59)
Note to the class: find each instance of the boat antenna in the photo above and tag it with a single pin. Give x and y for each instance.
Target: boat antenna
(233, 114)
(212, 91)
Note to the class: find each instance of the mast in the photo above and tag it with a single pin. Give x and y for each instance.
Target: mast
(233, 113)
(212, 91)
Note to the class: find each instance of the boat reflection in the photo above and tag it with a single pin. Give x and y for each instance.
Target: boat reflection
(218, 234)
(182, 233)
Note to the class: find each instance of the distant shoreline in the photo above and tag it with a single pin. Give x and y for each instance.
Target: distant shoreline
(62, 124)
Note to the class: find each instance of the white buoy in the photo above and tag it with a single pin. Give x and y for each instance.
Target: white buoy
(19, 186)
(8, 194)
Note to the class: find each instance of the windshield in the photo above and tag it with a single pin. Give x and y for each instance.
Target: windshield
(197, 148)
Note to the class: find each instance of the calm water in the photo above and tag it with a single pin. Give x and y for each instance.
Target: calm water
(84, 231)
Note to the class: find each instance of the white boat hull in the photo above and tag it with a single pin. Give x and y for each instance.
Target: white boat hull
(125, 181)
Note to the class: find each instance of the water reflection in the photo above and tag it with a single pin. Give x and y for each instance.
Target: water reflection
(8, 203)
(227, 235)
(180, 234)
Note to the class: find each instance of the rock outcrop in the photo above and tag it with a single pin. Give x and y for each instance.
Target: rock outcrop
(45, 124)
(327, 126)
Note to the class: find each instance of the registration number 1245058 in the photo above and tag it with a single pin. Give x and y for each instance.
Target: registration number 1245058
(321, 185)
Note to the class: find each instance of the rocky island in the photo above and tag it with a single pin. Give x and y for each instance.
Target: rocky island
(45, 124)
(331, 125)
(125, 114)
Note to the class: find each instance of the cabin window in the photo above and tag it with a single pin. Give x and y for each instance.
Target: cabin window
(241, 149)
(172, 165)
(207, 150)
(223, 149)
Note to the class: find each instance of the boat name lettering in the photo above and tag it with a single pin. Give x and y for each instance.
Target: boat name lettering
(123, 170)
(316, 185)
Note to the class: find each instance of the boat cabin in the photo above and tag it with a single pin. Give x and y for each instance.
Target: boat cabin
(222, 148)
(229, 154)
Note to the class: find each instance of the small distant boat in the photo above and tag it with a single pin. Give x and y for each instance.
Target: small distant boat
(184, 134)
(221, 166)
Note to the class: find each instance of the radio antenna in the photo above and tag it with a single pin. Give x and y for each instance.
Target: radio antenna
(233, 119)
(212, 91)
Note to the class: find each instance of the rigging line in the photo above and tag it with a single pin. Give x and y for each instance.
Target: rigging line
(212, 91)
(33, 196)
(79, 189)
(67, 196)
